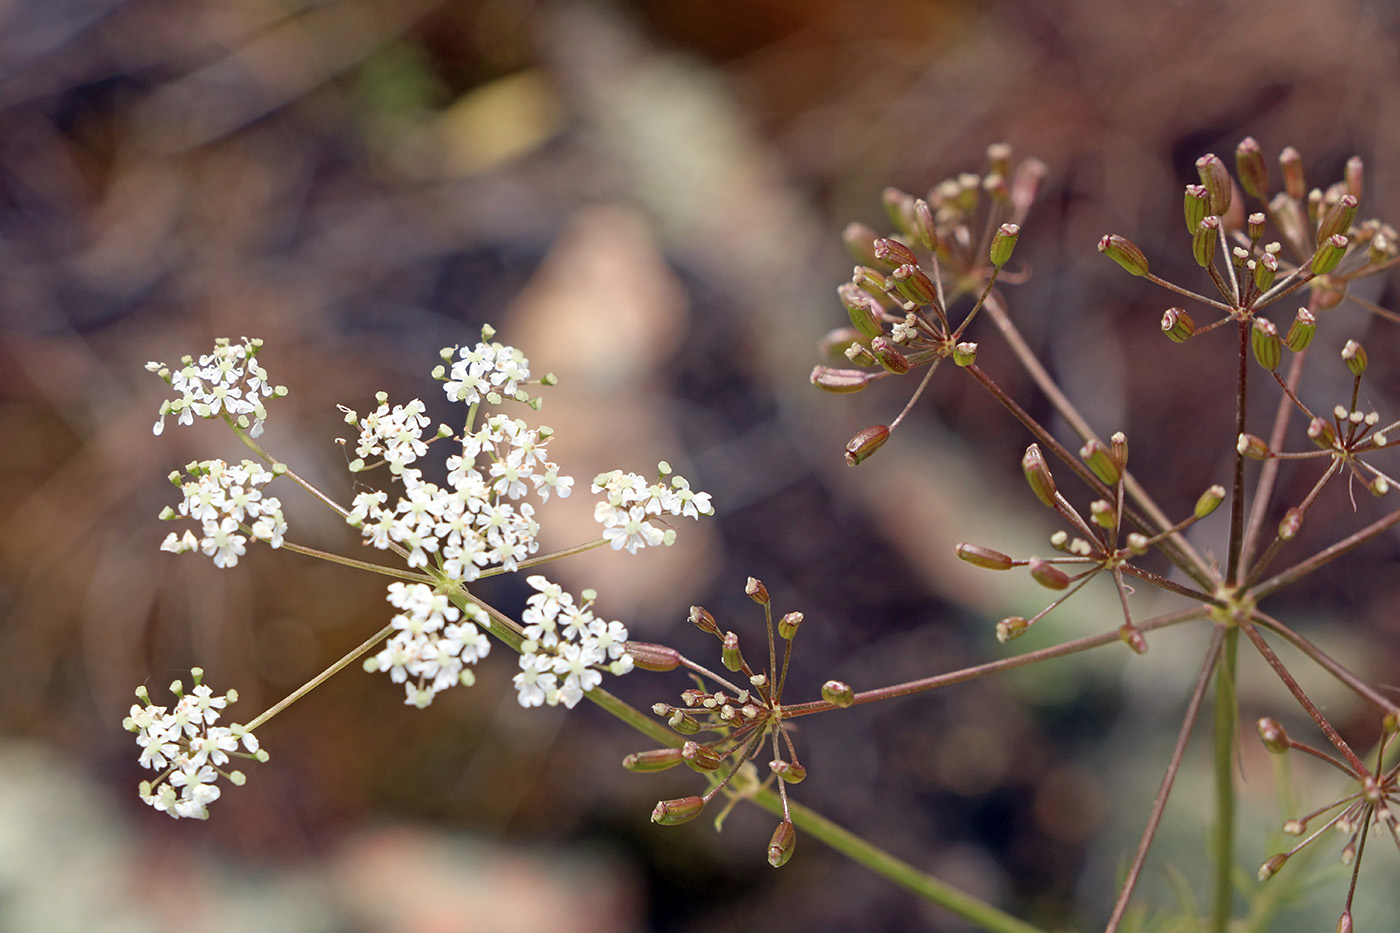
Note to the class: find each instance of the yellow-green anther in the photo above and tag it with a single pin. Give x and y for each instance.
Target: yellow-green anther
(1124, 252)
(889, 356)
(1103, 513)
(729, 652)
(651, 657)
(983, 557)
(899, 207)
(1329, 253)
(1355, 176)
(893, 253)
(781, 845)
(1354, 355)
(1290, 524)
(860, 243)
(1292, 165)
(1210, 500)
(1300, 332)
(859, 354)
(1265, 269)
(1251, 168)
(1216, 178)
(860, 447)
(913, 285)
(1048, 575)
(1252, 446)
(1177, 325)
(965, 353)
(1321, 433)
(1338, 218)
(1038, 475)
(1197, 207)
(1203, 241)
(1003, 243)
(1266, 344)
(839, 381)
(1012, 627)
(678, 811)
(1273, 735)
(700, 758)
(788, 625)
(1101, 461)
(925, 233)
(999, 159)
(838, 693)
(655, 760)
(755, 590)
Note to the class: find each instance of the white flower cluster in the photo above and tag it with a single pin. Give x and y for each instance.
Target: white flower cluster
(564, 646)
(226, 499)
(473, 522)
(626, 510)
(487, 371)
(394, 435)
(188, 749)
(229, 380)
(431, 648)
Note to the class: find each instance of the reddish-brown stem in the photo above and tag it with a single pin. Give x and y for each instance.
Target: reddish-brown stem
(1327, 663)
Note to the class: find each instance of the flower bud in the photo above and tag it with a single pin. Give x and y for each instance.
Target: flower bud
(729, 652)
(701, 758)
(839, 381)
(1101, 462)
(893, 253)
(781, 845)
(860, 447)
(1216, 178)
(1290, 524)
(1273, 735)
(889, 356)
(756, 591)
(838, 693)
(658, 759)
(678, 811)
(1338, 218)
(1271, 867)
(1197, 207)
(1329, 252)
(651, 657)
(1048, 575)
(1354, 355)
(1177, 325)
(860, 243)
(983, 557)
(965, 354)
(1292, 165)
(1209, 501)
(1124, 252)
(788, 624)
(1003, 243)
(910, 282)
(1012, 627)
(1264, 341)
(1038, 475)
(1204, 240)
(1251, 168)
(1253, 447)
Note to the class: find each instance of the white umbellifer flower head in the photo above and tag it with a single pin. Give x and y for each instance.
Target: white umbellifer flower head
(630, 508)
(227, 501)
(432, 644)
(487, 372)
(228, 381)
(187, 748)
(565, 647)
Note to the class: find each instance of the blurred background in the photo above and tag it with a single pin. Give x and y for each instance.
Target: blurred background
(646, 197)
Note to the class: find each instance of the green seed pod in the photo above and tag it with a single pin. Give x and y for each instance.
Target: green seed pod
(1038, 475)
(1266, 344)
(1209, 501)
(1124, 252)
(1253, 447)
(889, 355)
(1265, 269)
(1271, 867)
(780, 847)
(656, 760)
(838, 693)
(899, 207)
(1292, 165)
(864, 312)
(700, 617)
(965, 354)
(983, 557)
(1197, 206)
(701, 758)
(1177, 325)
(1329, 252)
(893, 253)
(1300, 332)
(788, 625)
(1216, 178)
(1102, 512)
(651, 657)
(859, 354)
(1254, 226)
(999, 159)
(1321, 432)
(1204, 240)
(1338, 218)
(913, 285)
(1273, 735)
(1003, 243)
(1354, 355)
(1251, 168)
(1012, 627)
(1101, 462)
(756, 591)
(839, 381)
(1048, 575)
(860, 243)
(678, 811)
(860, 447)
(925, 232)
(871, 281)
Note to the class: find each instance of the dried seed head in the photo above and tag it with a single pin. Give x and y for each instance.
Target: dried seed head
(983, 557)
(1177, 325)
(1252, 169)
(1124, 252)
(860, 447)
(781, 845)
(1216, 178)
(838, 693)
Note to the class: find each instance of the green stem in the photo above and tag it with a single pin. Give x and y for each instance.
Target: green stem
(1226, 716)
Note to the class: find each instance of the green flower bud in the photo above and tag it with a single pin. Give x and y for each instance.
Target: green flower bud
(1003, 243)
(651, 657)
(889, 355)
(1038, 475)
(1329, 252)
(893, 253)
(1048, 575)
(983, 557)
(965, 354)
(678, 811)
(1124, 252)
(788, 624)
(1251, 168)
(1204, 240)
(839, 381)
(655, 760)
(1209, 501)
(838, 693)
(1197, 207)
(780, 847)
(1101, 462)
(1012, 627)
(1273, 735)
(860, 447)
(1354, 355)
(1292, 165)
(1338, 218)
(1177, 325)
(1300, 332)
(860, 243)
(1264, 341)
(1216, 178)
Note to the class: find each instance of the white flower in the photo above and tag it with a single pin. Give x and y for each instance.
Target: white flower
(228, 380)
